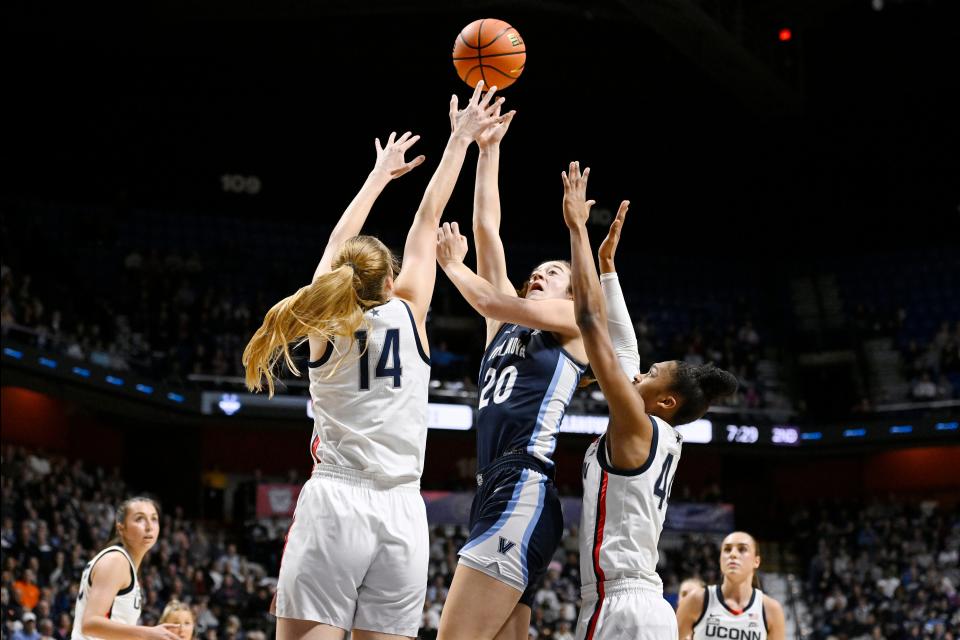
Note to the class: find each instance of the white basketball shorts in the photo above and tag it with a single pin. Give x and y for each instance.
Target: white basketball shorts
(629, 609)
(356, 554)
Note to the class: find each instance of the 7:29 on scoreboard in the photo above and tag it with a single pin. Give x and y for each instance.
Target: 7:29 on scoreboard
(744, 434)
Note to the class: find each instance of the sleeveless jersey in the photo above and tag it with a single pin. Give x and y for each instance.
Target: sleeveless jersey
(527, 380)
(370, 398)
(718, 621)
(126, 604)
(624, 510)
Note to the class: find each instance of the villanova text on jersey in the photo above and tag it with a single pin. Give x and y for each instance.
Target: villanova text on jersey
(527, 380)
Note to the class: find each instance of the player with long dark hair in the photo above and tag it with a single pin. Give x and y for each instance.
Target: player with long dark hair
(628, 472)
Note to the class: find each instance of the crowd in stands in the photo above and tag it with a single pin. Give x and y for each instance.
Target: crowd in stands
(933, 367)
(885, 570)
(58, 513)
(167, 318)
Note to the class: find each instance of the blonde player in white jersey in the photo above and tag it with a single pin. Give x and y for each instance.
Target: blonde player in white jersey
(356, 554)
(736, 609)
(627, 472)
(109, 600)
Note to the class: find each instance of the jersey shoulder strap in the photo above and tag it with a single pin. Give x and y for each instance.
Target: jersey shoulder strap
(706, 605)
(114, 549)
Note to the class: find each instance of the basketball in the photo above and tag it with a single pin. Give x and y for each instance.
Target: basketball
(490, 50)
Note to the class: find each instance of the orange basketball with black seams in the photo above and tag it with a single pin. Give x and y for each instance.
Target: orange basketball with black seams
(490, 50)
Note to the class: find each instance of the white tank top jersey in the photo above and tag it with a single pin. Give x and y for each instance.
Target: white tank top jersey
(624, 510)
(126, 605)
(370, 399)
(717, 620)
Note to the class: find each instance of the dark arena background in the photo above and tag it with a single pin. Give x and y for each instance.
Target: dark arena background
(793, 166)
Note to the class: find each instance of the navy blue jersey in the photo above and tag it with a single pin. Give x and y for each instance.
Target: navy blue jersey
(526, 382)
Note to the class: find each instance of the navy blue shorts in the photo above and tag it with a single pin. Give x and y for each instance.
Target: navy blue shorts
(515, 524)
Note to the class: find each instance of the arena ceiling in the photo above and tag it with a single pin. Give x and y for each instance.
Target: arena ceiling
(697, 108)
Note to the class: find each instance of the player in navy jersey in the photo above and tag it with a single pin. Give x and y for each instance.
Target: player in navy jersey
(532, 364)
(627, 472)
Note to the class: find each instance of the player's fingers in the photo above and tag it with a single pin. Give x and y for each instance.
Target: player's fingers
(455, 228)
(489, 109)
(477, 90)
(566, 180)
(393, 136)
(376, 141)
(416, 162)
(403, 138)
(586, 174)
(488, 96)
(410, 142)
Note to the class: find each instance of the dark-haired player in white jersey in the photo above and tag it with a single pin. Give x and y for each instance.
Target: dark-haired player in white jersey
(109, 600)
(736, 609)
(627, 472)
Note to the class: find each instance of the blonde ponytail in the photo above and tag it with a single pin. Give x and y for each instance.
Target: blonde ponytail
(330, 306)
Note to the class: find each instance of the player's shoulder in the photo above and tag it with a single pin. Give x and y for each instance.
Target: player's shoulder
(772, 611)
(696, 600)
(669, 437)
(771, 605)
(112, 567)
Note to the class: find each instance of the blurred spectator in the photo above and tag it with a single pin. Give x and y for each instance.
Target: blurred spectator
(29, 630)
(924, 388)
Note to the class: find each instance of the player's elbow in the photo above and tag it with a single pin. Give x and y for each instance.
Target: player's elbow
(484, 229)
(587, 319)
(485, 304)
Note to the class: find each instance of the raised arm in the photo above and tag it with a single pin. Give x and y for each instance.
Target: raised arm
(622, 333)
(416, 280)
(390, 164)
(491, 260)
(630, 430)
(549, 315)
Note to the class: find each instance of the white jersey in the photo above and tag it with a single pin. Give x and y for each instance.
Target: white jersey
(624, 510)
(717, 620)
(126, 604)
(370, 400)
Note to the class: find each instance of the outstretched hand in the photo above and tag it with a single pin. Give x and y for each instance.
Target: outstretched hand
(481, 113)
(390, 161)
(608, 248)
(492, 135)
(576, 207)
(451, 246)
